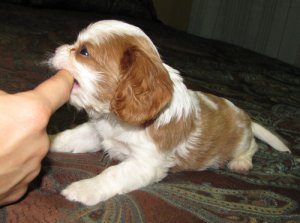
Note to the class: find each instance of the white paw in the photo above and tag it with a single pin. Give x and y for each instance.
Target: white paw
(68, 142)
(240, 165)
(86, 192)
(60, 143)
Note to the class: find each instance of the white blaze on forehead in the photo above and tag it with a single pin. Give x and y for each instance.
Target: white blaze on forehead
(106, 28)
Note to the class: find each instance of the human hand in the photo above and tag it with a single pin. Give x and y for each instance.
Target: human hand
(23, 137)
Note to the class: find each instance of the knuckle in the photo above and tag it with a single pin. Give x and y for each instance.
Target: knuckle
(32, 174)
(45, 144)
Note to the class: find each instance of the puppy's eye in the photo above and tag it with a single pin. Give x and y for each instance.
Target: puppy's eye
(84, 52)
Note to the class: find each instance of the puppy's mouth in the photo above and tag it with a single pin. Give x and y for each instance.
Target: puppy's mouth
(76, 84)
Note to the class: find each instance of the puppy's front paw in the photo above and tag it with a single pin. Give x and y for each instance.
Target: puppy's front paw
(60, 143)
(86, 192)
(72, 141)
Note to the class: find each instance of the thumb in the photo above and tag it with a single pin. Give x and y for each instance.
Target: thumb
(56, 90)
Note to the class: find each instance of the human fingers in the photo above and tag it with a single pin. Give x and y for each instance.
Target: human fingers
(56, 90)
(13, 195)
(2, 93)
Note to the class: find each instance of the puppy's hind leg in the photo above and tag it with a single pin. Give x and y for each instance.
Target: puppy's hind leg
(242, 161)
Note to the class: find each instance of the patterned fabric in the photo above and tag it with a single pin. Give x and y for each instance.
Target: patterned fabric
(268, 89)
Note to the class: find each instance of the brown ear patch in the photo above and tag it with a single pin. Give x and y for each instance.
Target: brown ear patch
(144, 88)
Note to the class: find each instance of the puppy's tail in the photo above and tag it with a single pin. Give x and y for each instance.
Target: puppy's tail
(268, 137)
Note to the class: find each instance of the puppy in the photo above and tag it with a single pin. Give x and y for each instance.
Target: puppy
(142, 114)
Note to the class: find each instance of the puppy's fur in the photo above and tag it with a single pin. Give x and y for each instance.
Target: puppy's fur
(142, 114)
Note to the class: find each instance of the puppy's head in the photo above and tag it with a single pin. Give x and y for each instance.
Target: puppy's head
(117, 69)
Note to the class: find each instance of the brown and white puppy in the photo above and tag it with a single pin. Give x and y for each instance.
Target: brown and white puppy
(141, 113)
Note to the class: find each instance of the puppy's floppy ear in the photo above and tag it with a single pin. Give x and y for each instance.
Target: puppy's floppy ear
(144, 88)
